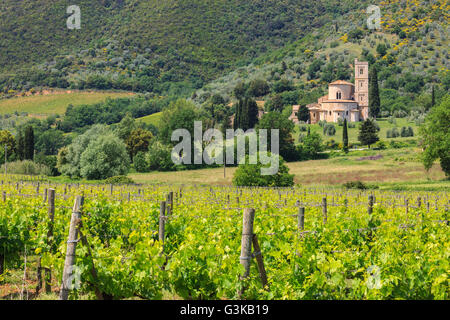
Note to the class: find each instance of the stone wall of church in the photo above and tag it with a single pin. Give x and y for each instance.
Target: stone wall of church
(346, 91)
(333, 111)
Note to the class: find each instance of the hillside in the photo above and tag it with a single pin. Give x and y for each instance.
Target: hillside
(162, 46)
(409, 51)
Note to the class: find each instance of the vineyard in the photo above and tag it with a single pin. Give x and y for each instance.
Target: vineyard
(194, 242)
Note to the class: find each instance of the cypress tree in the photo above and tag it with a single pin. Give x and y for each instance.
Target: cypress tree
(244, 119)
(20, 145)
(345, 137)
(237, 117)
(252, 108)
(368, 133)
(374, 94)
(309, 131)
(303, 114)
(28, 152)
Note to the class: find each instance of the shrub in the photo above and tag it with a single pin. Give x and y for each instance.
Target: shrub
(392, 120)
(249, 175)
(407, 132)
(355, 185)
(358, 185)
(400, 114)
(118, 180)
(351, 125)
(303, 128)
(381, 145)
(392, 133)
(331, 144)
(329, 129)
(312, 146)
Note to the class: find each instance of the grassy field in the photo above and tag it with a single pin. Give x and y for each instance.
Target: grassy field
(398, 169)
(54, 103)
(353, 132)
(151, 119)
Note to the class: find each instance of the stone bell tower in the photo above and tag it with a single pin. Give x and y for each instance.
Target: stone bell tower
(362, 87)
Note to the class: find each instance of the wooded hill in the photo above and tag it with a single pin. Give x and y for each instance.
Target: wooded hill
(169, 46)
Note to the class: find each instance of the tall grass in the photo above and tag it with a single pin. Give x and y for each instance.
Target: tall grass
(27, 167)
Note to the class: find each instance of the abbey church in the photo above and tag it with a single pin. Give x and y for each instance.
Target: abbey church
(344, 100)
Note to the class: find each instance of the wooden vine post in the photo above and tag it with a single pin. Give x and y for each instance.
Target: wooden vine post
(301, 219)
(170, 203)
(260, 262)
(162, 222)
(324, 210)
(371, 201)
(71, 249)
(300, 226)
(246, 244)
(51, 218)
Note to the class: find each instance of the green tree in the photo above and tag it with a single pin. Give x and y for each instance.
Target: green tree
(244, 117)
(249, 175)
(283, 85)
(159, 157)
(69, 158)
(240, 90)
(125, 127)
(312, 146)
(275, 120)
(104, 157)
(138, 140)
(258, 88)
(50, 141)
(303, 114)
(28, 147)
(368, 133)
(374, 94)
(6, 138)
(345, 137)
(275, 104)
(435, 133)
(381, 49)
(181, 114)
(20, 145)
(252, 110)
(237, 117)
(140, 162)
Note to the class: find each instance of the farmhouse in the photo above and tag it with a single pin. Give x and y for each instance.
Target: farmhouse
(344, 100)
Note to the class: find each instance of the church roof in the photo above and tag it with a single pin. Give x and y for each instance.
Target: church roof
(342, 82)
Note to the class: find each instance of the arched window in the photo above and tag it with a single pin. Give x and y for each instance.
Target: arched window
(338, 95)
